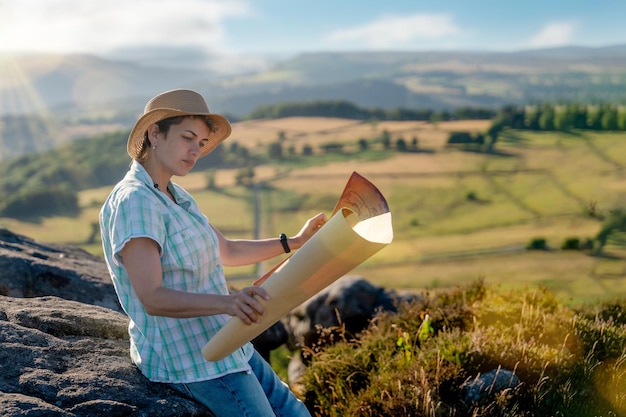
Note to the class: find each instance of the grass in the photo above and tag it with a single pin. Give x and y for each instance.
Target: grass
(416, 361)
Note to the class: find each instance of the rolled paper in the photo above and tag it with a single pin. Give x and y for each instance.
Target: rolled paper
(352, 235)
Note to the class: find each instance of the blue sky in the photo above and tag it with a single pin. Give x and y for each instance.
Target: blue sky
(289, 26)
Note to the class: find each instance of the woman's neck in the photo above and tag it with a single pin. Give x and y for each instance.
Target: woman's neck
(160, 180)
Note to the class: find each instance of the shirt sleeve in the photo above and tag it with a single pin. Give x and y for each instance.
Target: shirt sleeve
(135, 214)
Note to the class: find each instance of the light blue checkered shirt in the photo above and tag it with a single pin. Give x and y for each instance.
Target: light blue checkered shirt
(167, 349)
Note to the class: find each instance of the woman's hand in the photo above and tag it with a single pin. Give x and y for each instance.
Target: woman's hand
(308, 230)
(244, 304)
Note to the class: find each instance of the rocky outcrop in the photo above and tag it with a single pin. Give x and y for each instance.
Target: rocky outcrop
(32, 269)
(65, 358)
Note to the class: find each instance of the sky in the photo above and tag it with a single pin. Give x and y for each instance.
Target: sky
(105, 27)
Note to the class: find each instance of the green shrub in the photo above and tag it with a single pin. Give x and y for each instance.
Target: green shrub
(40, 200)
(569, 362)
(571, 243)
(537, 243)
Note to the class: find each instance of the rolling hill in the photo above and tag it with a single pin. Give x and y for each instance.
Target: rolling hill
(32, 83)
(72, 96)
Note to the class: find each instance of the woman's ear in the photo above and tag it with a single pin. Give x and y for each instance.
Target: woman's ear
(153, 131)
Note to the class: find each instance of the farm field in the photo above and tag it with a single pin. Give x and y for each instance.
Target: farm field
(458, 215)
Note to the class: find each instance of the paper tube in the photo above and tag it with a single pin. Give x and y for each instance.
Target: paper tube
(355, 232)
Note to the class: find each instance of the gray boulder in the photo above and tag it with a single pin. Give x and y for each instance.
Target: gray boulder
(65, 358)
(351, 302)
(32, 269)
(485, 386)
(348, 305)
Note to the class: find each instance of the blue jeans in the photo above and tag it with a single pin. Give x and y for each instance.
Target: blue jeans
(257, 394)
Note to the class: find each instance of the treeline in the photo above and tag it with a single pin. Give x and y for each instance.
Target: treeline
(348, 110)
(562, 117)
(543, 117)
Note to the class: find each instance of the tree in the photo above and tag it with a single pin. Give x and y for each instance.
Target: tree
(385, 139)
(621, 119)
(459, 138)
(511, 116)
(493, 132)
(275, 150)
(546, 120)
(563, 119)
(594, 117)
(609, 118)
(401, 145)
(614, 222)
(209, 175)
(245, 176)
(531, 120)
(579, 115)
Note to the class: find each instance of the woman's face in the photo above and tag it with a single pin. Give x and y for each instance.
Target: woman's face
(179, 149)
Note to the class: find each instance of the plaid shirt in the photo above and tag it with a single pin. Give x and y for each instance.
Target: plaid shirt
(167, 349)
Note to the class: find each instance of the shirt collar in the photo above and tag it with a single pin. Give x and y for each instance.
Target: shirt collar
(141, 174)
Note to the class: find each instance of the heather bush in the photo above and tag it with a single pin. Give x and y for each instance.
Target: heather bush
(415, 361)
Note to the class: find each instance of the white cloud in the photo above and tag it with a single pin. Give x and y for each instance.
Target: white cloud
(554, 34)
(397, 31)
(107, 25)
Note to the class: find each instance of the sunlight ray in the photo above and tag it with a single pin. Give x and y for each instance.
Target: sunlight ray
(34, 129)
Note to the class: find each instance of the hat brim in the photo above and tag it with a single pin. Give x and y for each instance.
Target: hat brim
(222, 129)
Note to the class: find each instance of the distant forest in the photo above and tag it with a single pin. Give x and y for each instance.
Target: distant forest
(348, 110)
(37, 184)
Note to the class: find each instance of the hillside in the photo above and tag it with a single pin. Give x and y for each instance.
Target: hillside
(440, 80)
(458, 215)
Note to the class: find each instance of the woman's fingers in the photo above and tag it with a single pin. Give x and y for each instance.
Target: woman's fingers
(247, 306)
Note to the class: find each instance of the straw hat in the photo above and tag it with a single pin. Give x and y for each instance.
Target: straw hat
(172, 103)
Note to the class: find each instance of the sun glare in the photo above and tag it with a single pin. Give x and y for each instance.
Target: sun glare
(20, 98)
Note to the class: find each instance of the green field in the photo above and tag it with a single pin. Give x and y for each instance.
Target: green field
(457, 215)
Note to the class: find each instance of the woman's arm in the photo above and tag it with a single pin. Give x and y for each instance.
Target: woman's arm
(143, 265)
(237, 252)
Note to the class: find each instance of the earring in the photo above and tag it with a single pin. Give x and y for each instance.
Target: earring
(153, 146)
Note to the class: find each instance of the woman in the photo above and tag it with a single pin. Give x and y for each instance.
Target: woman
(166, 262)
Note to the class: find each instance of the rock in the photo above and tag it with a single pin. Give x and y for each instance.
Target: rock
(351, 302)
(65, 358)
(479, 390)
(32, 269)
(271, 339)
